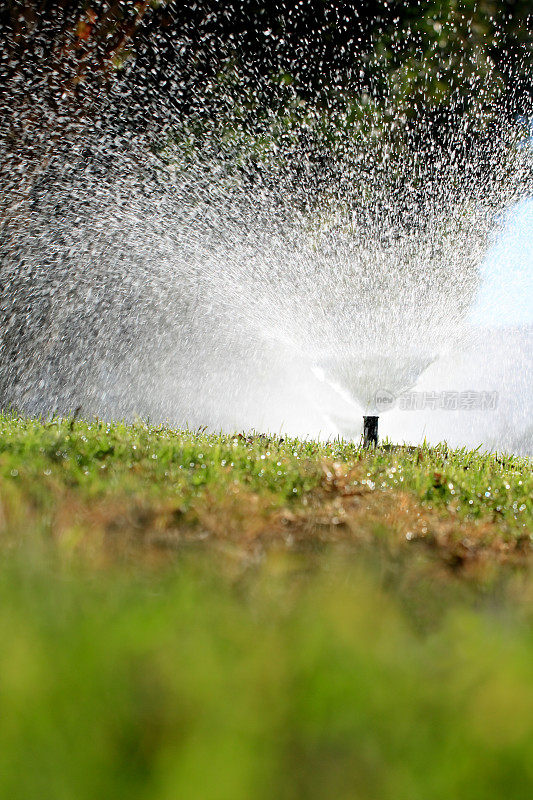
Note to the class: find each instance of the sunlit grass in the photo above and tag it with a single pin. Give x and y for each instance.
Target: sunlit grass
(96, 457)
(188, 615)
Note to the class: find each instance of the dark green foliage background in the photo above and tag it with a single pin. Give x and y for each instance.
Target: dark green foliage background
(322, 52)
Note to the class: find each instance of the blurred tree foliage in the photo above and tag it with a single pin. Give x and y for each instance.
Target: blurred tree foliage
(448, 54)
(65, 42)
(310, 69)
(400, 54)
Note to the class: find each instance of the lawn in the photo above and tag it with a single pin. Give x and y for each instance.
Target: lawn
(191, 615)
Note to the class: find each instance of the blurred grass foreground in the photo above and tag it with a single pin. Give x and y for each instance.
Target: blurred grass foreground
(196, 616)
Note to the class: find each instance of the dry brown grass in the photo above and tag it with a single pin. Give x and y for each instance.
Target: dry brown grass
(336, 512)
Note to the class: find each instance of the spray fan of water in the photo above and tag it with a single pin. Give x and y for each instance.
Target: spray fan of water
(173, 282)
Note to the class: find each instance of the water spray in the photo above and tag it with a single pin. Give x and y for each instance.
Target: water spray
(146, 271)
(370, 431)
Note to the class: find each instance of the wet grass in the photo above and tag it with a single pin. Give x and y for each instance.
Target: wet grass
(82, 479)
(200, 616)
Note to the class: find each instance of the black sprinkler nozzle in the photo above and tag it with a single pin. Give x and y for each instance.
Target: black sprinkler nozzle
(370, 431)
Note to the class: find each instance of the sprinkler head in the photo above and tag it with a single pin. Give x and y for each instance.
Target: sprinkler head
(370, 431)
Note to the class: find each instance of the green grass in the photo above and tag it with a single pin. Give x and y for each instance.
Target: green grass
(187, 615)
(98, 459)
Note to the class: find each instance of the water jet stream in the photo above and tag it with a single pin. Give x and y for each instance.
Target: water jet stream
(244, 275)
